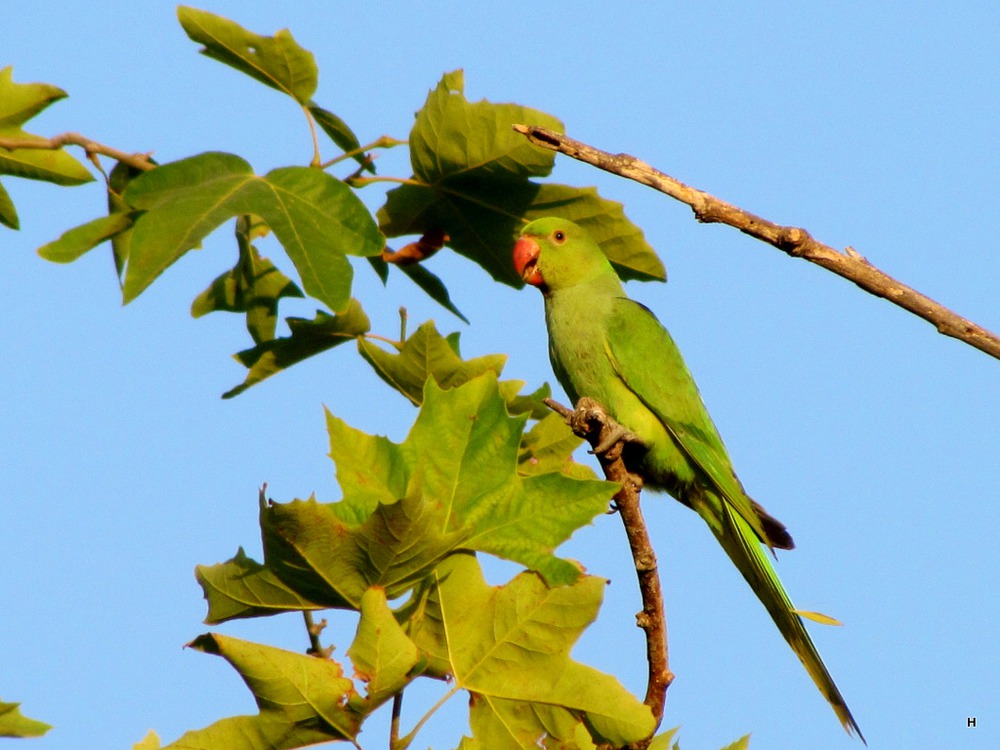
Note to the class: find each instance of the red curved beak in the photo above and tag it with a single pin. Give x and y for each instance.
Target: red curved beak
(526, 261)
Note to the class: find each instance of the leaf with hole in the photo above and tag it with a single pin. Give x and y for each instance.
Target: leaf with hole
(277, 61)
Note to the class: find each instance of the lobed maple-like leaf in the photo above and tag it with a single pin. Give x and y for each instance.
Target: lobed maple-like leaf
(471, 181)
(316, 217)
(426, 354)
(453, 484)
(302, 700)
(509, 647)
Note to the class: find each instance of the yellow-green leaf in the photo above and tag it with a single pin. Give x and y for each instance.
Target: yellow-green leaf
(509, 646)
(382, 654)
(20, 102)
(15, 724)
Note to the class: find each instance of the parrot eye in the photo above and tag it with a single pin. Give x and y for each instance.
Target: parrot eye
(559, 236)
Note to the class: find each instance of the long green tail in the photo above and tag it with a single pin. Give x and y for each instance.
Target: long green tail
(751, 557)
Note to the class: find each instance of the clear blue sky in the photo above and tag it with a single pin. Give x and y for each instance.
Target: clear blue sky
(875, 439)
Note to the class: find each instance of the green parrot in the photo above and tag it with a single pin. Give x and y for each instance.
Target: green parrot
(614, 350)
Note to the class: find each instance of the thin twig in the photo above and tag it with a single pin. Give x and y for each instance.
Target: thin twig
(314, 629)
(591, 422)
(139, 161)
(792, 240)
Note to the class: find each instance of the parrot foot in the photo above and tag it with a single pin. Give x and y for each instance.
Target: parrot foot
(590, 417)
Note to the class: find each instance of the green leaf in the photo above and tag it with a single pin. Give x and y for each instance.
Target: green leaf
(531, 404)
(302, 700)
(316, 218)
(463, 452)
(433, 286)
(119, 179)
(340, 133)
(241, 587)
(548, 447)
(383, 656)
(254, 286)
(75, 242)
(455, 138)
(333, 563)
(371, 470)
(509, 647)
(15, 724)
(277, 61)
(8, 214)
(309, 337)
(483, 218)
(19, 102)
(472, 182)
(426, 354)
(451, 485)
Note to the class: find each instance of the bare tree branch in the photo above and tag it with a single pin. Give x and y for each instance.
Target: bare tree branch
(794, 241)
(139, 161)
(591, 422)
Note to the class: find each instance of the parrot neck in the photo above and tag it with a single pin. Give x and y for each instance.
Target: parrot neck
(573, 309)
(603, 285)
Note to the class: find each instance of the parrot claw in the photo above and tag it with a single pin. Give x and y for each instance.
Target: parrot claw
(589, 417)
(612, 436)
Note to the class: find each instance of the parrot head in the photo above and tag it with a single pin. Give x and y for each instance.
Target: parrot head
(555, 254)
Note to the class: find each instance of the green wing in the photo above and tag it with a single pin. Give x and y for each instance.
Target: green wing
(647, 360)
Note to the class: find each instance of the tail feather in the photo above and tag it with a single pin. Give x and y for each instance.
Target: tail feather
(747, 553)
(775, 531)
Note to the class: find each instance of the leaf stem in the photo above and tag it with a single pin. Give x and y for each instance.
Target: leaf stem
(386, 339)
(317, 159)
(363, 181)
(385, 141)
(796, 242)
(397, 709)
